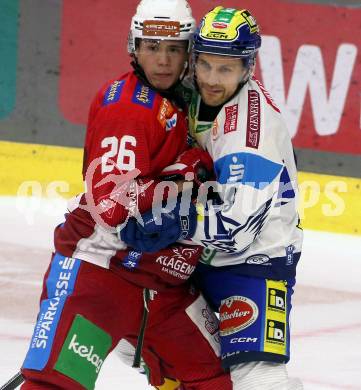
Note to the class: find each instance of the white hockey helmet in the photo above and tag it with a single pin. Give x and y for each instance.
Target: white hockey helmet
(161, 20)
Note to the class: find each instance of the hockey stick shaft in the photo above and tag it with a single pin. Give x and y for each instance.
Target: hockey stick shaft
(13, 383)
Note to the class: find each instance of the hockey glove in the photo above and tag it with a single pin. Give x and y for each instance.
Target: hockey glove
(159, 230)
(195, 162)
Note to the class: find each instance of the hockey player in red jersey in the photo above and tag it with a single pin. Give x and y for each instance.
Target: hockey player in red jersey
(96, 291)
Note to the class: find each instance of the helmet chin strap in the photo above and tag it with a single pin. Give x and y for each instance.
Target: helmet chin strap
(185, 71)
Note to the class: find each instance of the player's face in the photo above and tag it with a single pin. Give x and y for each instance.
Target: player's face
(218, 77)
(162, 61)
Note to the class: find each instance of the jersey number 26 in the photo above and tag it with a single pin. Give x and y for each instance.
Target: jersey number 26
(125, 157)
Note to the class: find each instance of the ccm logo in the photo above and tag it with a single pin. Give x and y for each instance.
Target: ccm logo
(244, 340)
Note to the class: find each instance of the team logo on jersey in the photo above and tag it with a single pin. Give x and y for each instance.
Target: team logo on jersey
(230, 123)
(113, 93)
(253, 120)
(143, 95)
(237, 313)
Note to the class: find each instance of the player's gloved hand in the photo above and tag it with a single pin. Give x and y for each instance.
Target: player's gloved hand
(159, 230)
(194, 161)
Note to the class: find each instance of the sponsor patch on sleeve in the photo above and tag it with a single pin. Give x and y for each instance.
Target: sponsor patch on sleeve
(143, 95)
(113, 93)
(253, 120)
(167, 117)
(230, 123)
(84, 351)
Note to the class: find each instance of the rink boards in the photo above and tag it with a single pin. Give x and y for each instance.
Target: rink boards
(327, 203)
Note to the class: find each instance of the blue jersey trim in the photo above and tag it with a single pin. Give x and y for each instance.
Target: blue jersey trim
(253, 356)
(276, 268)
(286, 190)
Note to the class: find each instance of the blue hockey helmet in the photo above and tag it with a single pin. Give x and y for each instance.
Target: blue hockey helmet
(228, 32)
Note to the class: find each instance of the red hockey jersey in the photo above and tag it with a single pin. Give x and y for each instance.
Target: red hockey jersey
(133, 133)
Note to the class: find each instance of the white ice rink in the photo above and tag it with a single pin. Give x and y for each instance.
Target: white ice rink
(326, 321)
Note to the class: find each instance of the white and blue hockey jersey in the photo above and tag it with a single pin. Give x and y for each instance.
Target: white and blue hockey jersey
(254, 221)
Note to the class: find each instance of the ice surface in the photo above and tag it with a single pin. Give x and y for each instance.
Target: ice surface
(326, 319)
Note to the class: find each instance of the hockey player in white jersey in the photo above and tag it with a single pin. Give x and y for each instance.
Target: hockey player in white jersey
(250, 229)
(251, 232)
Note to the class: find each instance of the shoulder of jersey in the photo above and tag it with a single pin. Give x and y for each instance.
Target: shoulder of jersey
(256, 85)
(128, 92)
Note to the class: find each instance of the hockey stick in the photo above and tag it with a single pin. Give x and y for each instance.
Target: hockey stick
(13, 383)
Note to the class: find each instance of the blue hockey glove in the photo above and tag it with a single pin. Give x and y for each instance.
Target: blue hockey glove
(159, 230)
